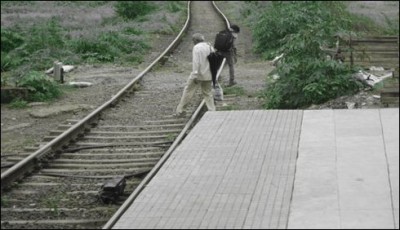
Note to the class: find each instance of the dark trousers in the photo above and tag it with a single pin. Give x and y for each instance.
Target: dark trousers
(229, 56)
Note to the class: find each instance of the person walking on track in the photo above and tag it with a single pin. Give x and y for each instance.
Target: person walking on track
(199, 77)
(230, 51)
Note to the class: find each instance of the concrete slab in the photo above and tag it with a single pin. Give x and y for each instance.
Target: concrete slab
(350, 180)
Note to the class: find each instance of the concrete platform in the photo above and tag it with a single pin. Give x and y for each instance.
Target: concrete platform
(278, 169)
(347, 173)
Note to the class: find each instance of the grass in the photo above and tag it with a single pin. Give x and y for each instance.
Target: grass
(385, 83)
(5, 201)
(234, 90)
(171, 137)
(18, 103)
(229, 108)
(35, 34)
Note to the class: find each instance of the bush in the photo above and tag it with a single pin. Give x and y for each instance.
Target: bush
(18, 103)
(309, 81)
(108, 47)
(93, 49)
(10, 40)
(299, 29)
(132, 9)
(175, 6)
(7, 62)
(42, 44)
(41, 87)
(284, 19)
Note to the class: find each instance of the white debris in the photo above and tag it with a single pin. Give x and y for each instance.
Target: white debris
(350, 105)
(66, 68)
(370, 78)
(80, 84)
(374, 68)
(276, 60)
(275, 76)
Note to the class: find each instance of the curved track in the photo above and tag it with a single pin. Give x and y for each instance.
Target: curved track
(59, 185)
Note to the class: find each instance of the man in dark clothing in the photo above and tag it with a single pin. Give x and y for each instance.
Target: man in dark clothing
(230, 55)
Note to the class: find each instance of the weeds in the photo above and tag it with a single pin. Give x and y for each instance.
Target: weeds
(5, 201)
(133, 9)
(236, 90)
(393, 24)
(18, 103)
(53, 203)
(41, 87)
(229, 108)
(171, 137)
(175, 6)
(34, 44)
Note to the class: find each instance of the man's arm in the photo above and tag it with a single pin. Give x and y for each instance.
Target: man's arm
(196, 62)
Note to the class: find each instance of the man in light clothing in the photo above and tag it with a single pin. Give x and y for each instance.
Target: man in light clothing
(199, 77)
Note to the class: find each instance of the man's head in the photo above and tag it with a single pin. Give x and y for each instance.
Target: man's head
(235, 30)
(197, 37)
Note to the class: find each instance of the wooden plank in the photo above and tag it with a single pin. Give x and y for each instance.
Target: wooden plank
(372, 51)
(390, 100)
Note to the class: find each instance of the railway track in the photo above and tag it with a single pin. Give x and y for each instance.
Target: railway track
(86, 171)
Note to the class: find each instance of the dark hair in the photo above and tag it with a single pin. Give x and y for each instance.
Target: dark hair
(235, 28)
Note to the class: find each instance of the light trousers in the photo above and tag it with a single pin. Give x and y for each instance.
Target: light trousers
(190, 89)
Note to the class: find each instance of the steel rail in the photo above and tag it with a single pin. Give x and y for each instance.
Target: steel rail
(161, 162)
(27, 164)
(227, 23)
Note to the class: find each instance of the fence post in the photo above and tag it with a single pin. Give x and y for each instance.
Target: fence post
(58, 72)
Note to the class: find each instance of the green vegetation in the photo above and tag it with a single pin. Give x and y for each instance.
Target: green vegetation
(41, 87)
(388, 82)
(133, 9)
(53, 203)
(229, 108)
(236, 90)
(393, 26)
(40, 45)
(31, 46)
(171, 137)
(4, 201)
(174, 7)
(298, 30)
(18, 103)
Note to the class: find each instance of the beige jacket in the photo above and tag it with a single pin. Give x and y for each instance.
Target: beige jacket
(201, 66)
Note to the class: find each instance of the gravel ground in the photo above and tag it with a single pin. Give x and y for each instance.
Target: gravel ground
(20, 127)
